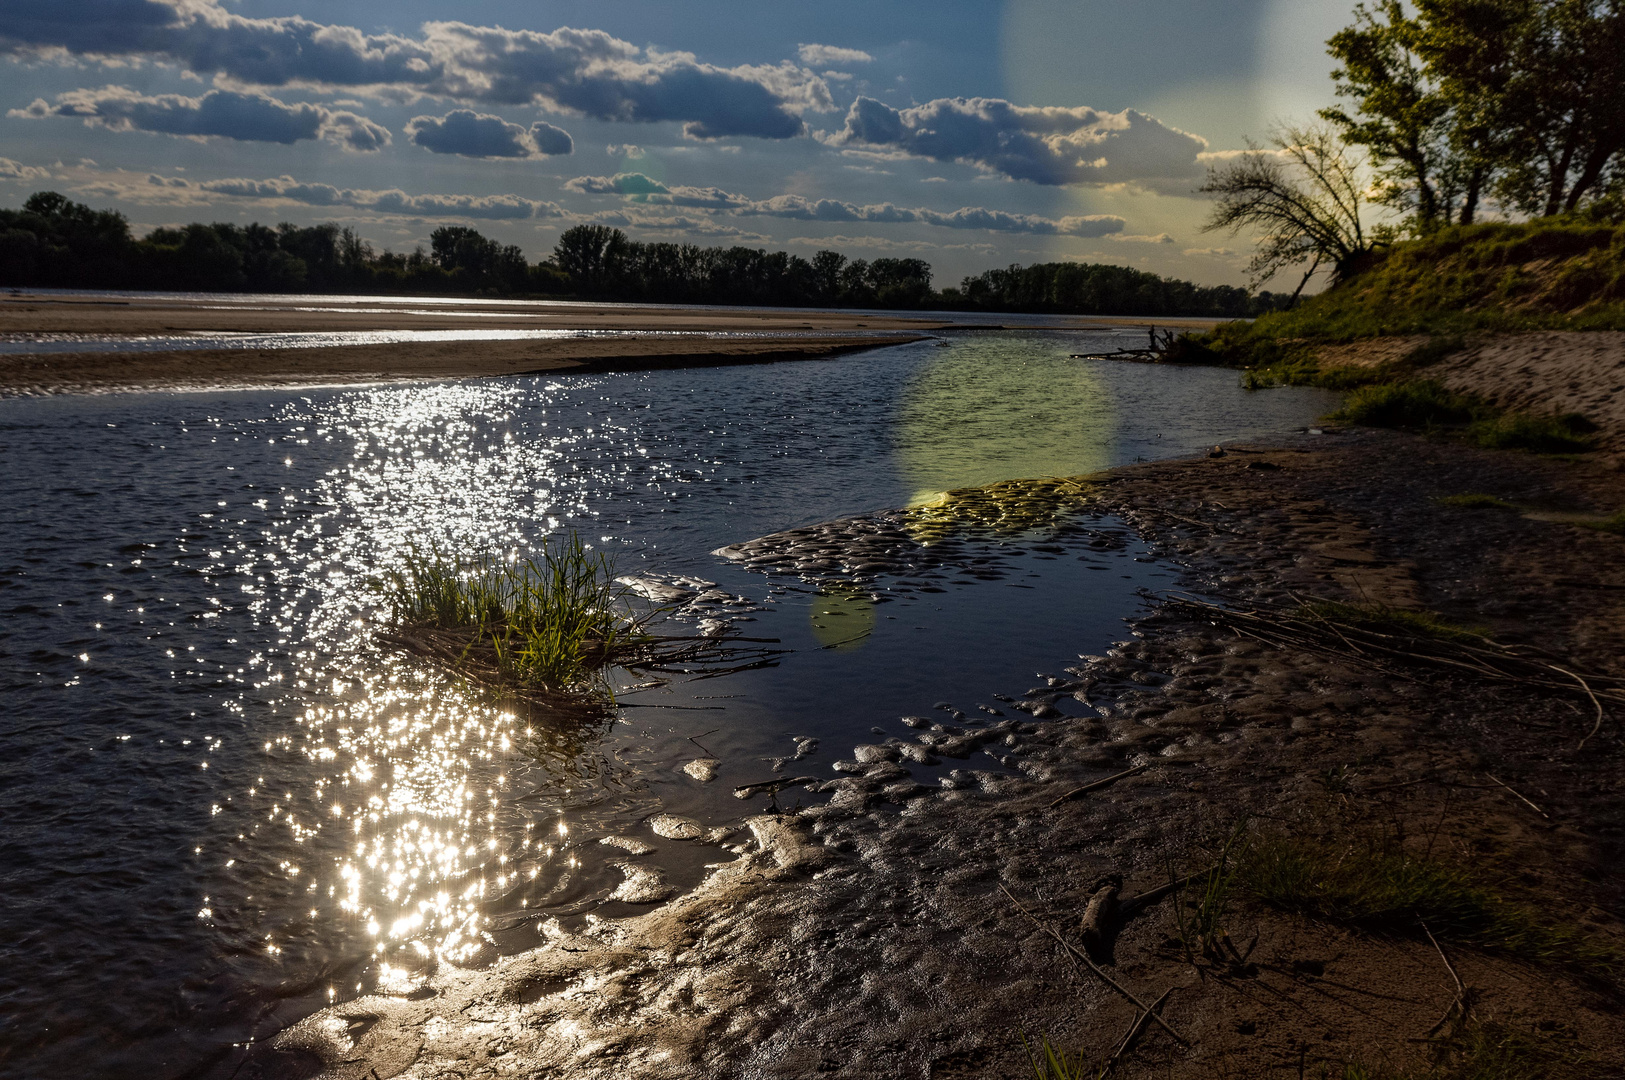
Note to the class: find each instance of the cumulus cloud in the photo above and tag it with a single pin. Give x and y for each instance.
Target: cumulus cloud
(627, 150)
(477, 135)
(392, 201)
(16, 170)
(643, 189)
(587, 72)
(1042, 145)
(224, 114)
(828, 55)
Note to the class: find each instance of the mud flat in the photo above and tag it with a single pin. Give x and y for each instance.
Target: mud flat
(895, 929)
(189, 369)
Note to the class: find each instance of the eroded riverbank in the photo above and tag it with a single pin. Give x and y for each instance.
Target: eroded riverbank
(873, 935)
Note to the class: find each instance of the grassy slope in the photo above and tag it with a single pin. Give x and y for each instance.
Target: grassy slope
(1545, 275)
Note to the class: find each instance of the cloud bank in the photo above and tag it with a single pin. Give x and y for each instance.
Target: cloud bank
(223, 114)
(642, 189)
(392, 201)
(586, 72)
(477, 135)
(1041, 145)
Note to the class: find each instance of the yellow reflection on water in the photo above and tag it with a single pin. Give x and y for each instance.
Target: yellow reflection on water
(842, 619)
(985, 411)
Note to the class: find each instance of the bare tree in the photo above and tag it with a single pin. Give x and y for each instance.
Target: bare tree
(1306, 195)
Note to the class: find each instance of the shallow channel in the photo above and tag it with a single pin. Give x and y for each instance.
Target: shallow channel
(228, 807)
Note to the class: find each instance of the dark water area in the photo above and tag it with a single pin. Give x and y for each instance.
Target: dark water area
(226, 806)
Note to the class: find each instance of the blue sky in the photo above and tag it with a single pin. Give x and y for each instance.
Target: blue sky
(967, 134)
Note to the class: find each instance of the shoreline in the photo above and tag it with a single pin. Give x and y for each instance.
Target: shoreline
(49, 374)
(873, 935)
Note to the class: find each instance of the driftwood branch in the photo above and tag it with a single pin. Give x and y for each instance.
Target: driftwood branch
(1078, 954)
(1098, 784)
(1126, 1043)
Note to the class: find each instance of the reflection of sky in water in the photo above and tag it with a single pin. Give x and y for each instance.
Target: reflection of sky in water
(227, 806)
(996, 408)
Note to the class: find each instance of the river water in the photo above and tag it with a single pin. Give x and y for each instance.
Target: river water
(226, 805)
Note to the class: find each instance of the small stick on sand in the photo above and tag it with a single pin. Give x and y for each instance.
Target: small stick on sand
(1078, 954)
(1461, 990)
(1590, 694)
(1126, 1043)
(1515, 791)
(1098, 784)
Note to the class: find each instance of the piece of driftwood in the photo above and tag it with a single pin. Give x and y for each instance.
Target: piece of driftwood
(772, 787)
(1106, 782)
(1095, 928)
(1077, 954)
(1520, 796)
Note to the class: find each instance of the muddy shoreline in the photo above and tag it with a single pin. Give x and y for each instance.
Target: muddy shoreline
(38, 374)
(872, 934)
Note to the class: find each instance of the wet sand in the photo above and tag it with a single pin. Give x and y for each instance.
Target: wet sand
(873, 935)
(700, 337)
(189, 369)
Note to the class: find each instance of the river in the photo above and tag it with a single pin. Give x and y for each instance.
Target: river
(227, 806)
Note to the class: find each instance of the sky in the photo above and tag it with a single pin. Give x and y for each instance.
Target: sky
(968, 133)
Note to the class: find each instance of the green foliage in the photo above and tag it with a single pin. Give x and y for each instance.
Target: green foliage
(1379, 886)
(1049, 1063)
(1614, 524)
(546, 622)
(1393, 620)
(1475, 501)
(1538, 434)
(1099, 289)
(1422, 404)
(1551, 274)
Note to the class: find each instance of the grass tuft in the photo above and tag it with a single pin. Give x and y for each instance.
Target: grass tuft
(1422, 404)
(1049, 1063)
(547, 622)
(1475, 501)
(1538, 434)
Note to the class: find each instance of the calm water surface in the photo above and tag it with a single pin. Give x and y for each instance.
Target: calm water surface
(225, 806)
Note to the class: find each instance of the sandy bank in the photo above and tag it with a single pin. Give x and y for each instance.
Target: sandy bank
(68, 373)
(1546, 372)
(871, 935)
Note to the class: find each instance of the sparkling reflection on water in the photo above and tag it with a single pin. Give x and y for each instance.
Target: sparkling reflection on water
(227, 806)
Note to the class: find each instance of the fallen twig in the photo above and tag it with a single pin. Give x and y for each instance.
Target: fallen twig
(1519, 794)
(1461, 989)
(1078, 954)
(1126, 1043)
(1107, 781)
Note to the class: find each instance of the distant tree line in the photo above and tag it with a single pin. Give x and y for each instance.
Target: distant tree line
(55, 242)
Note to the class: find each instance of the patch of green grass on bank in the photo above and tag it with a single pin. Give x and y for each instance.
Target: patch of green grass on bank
(1564, 273)
(1492, 1051)
(1614, 524)
(1475, 501)
(1428, 406)
(1382, 888)
(1403, 622)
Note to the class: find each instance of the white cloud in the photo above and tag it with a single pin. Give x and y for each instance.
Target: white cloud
(391, 201)
(647, 191)
(1133, 238)
(224, 114)
(1042, 145)
(586, 72)
(15, 170)
(626, 150)
(830, 55)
